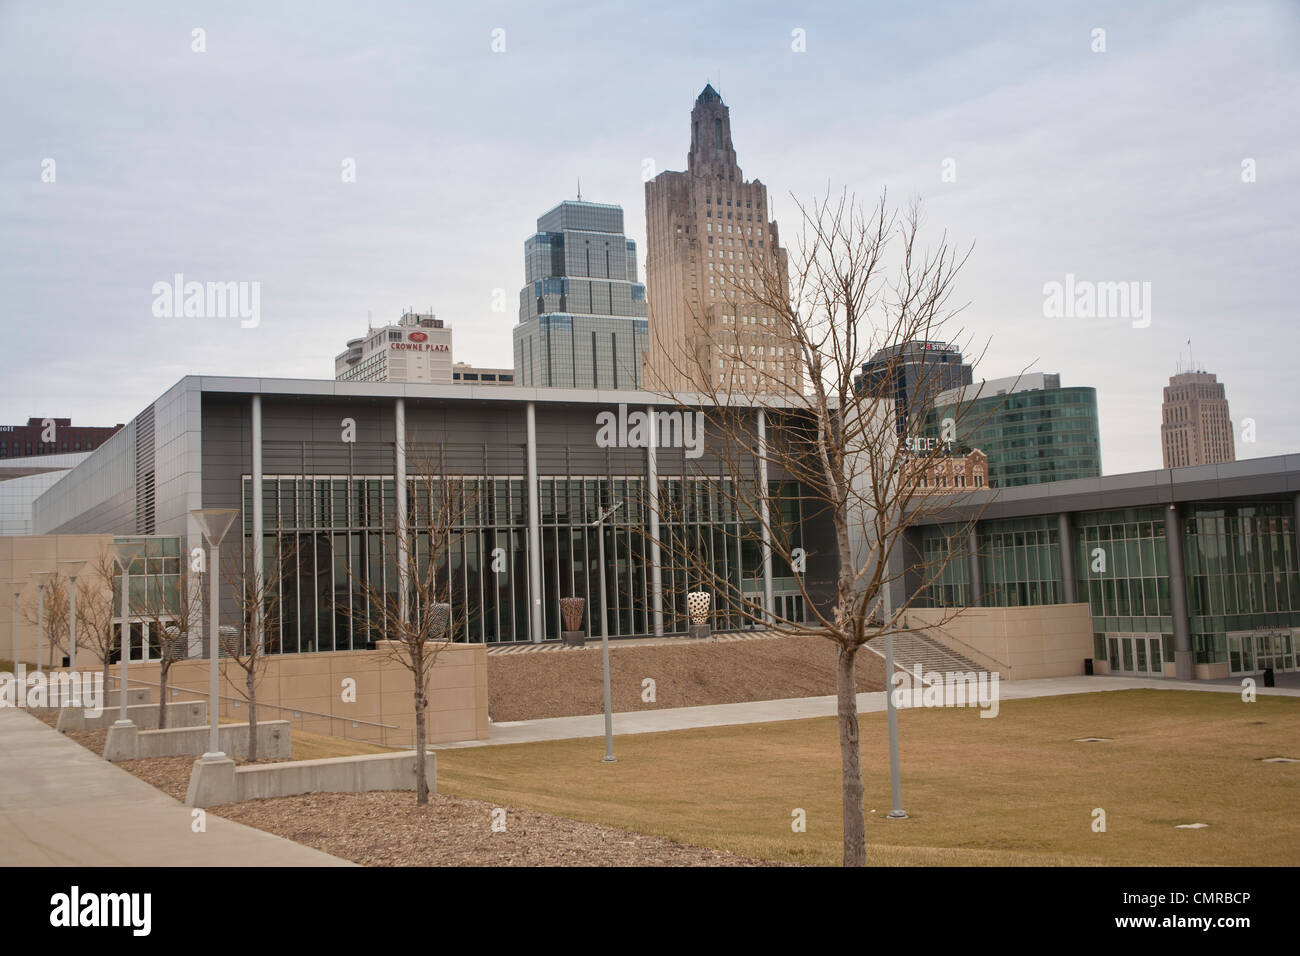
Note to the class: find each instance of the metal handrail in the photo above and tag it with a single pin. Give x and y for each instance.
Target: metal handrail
(297, 711)
(972, 647)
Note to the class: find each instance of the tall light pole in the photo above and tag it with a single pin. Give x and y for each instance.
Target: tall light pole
(16, 588)
(213, 523)
(71, 569)
(125, 553)
(42, 579)
(599, 525)
(895, 783)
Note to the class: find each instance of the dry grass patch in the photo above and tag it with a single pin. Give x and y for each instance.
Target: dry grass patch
(1013, 790)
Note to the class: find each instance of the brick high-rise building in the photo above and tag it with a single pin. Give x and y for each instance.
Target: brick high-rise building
(1195, 427)
(52, 436)
(707, 235)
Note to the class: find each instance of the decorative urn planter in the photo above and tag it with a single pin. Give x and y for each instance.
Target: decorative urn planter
(697, 609)
(440, 621)
(571, 611)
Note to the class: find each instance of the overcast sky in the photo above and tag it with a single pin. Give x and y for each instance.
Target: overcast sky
(226, 165)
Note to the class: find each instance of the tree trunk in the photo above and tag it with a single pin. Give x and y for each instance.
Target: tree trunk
(421, 782)
(163, 667)
(855, 834)
(251, 684)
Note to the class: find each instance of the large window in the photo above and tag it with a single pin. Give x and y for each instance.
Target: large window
(337, 532)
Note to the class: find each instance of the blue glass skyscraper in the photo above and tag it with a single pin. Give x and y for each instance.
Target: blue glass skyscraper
(582, 312)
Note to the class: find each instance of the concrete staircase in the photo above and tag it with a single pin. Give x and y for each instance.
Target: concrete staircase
(911, 648)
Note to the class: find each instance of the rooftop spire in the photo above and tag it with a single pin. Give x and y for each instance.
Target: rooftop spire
(708, 95)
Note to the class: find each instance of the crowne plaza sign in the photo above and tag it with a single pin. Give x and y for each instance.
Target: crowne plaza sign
(419, 347)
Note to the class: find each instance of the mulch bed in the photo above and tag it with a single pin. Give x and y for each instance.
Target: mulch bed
(388, 828)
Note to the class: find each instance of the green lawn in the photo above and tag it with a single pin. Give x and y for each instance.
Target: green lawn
(1013, 790)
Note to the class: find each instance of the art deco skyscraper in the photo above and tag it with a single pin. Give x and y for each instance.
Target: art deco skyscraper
(582, 313)
(707, 235)
(1195, 427)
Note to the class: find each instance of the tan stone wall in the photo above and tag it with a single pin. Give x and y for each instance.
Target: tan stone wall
(1211, 671)
(1022, 643)
(307, 690)
(308, 684)
(20, 555)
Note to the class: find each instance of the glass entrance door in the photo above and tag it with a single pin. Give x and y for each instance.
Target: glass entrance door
(1139, 655)
(1254, 653)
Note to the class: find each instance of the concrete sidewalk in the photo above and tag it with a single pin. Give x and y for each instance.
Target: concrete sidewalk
(800, 708)
(60, 805)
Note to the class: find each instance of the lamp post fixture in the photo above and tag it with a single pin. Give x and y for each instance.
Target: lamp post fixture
(16, 589)
(42, 579)
(213, 523)
(125, 553)
(599, 525)
(895, 784)
(71, 569)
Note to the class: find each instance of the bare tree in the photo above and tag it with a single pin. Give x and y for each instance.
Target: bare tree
(420, 622)
(255, 631)
(97, 609)
(54, 615)
(802, 438)
(173, 609)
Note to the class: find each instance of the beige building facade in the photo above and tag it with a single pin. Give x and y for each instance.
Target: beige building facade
(1020, 643)
(1195, 427)
(709, 243)
(359, 694)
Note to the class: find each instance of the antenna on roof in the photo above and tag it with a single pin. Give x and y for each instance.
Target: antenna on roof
(370, 326)
(579, 189)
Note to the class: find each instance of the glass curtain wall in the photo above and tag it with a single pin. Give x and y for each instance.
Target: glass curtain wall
(336, 532)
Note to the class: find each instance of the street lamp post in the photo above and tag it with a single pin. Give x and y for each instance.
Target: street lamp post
(895, 783)
(42, 579)
(16, 589)
(125, 554)
(599, 525)
(213, 523)
(71, 569)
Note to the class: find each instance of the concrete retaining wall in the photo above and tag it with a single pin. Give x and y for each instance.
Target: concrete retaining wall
(1022, 643)
(218, 782)
(180, 713)
(314, 684)
(131, 743)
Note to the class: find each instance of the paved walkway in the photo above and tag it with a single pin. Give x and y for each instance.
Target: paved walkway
(60, 805)
(799, 708)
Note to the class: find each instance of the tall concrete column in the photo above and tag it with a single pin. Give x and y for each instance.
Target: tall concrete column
(258, 520)
(537, 632)
(764, 515)
(973, 560)
(399, 496)
(1184, 659)
(1065, 539)
(652, 484)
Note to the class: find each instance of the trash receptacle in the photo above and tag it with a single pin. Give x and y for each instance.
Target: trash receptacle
(1087, 666)
(1268, 677)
